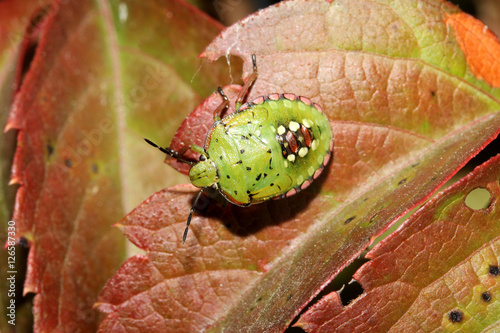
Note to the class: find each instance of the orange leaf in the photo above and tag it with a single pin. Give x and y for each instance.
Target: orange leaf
(480, 46)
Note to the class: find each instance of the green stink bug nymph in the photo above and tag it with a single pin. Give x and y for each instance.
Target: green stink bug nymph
(270, 148)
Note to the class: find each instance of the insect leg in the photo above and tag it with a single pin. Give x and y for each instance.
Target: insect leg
(247, 85)
(190, 216)
(222, 106)
(175, 154)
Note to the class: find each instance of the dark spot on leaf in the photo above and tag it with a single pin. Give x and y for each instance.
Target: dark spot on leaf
(95, 168)
(350, 292)
(494, 270)
(373, 218)
(415, 164)
(248, 192)
(455, 316)
(248, 168)
(289, 297)
(269, 151)
(250, 120)
(239, 162)
(228, 177)
(216, 140)
(349, 220)
(433, 93)
(402, 181)
(50, 149)
(68, 163)
(242, 151)
(235, 192)
(486, 296)
(220, 157)
(265, 175)
(258, 177)
(259, 299)
(244, 137)
(272, 184)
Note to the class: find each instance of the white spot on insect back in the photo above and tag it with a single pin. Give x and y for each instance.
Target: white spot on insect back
(294, 126)
(272, 128)
(285, 164)
(307, 122)
(287, 103)
(310, 171)
(303, 151)
(291, 157)
(281, 130)
(300, 180)
(123, 12)
(314, 144)
(273, 104)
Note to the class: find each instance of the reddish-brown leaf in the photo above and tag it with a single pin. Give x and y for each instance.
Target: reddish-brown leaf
(105, 74)
(405, 117)
(438, 264)
(480, 46)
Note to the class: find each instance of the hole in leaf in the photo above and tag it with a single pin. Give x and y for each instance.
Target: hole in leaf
(350, 292)
(455, 316)
(23, 242)
(479, 198)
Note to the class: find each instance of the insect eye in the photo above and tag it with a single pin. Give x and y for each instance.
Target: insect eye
(203, 158)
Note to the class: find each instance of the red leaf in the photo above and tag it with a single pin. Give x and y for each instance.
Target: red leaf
(98, 72)
(435, 267)
(404, 120)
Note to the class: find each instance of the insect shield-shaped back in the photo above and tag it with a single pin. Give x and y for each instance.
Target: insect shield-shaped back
(272, 147)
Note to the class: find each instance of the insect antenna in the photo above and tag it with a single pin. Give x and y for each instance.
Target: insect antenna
(171, 152)
(190, 216)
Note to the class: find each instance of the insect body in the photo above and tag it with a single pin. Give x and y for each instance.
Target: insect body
(270, 148)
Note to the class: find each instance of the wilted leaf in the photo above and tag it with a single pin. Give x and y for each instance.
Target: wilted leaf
(105, 74)
(438, 271)
(405, 114)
